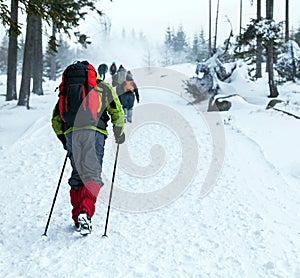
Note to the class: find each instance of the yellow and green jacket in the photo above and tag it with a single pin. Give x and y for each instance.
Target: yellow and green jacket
(110, 109)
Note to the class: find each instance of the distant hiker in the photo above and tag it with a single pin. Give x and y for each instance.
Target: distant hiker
(113, 69)
(121, 74)
(113, 73)
(102, 70)
(129, 89)
(119, 79)
(79, 120)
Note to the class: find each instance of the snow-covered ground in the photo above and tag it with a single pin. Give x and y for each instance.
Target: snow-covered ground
(197, 194)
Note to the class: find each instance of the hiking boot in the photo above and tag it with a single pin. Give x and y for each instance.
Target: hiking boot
(85, 223)
(77, 227)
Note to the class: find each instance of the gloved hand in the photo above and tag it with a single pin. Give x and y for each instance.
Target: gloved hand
(119, 134)
(63, 140)
(121, 139)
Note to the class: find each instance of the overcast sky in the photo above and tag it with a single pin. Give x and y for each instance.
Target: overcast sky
(153, 16)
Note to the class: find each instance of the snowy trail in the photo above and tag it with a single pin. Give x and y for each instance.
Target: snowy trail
(255, 212)
(28, 198)
(245, 227)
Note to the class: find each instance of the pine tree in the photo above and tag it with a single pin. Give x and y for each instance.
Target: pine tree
(21, 47)
(199, 50)
(62, 58)
(3, 55)
(168, 47)
(169, 36)
(176, 46)
(296, 36)
(266, 30)
(64, 55)
(195, 47)
(288, 62)
(179, 41)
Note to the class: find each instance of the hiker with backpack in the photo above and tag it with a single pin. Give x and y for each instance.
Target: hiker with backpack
(79, 119)
(129, 91)
(120, 77)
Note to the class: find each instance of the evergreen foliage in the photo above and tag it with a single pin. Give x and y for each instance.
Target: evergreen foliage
(3, 55)
(265, 29)
(177, 49)
(63, 57)
(288, 62)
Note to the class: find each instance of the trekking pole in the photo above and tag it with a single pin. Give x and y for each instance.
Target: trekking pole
(111, 190)
(54, 199)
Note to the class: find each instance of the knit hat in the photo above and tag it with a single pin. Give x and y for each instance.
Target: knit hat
(129, 76)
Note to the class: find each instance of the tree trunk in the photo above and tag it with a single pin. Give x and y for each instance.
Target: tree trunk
(241, 16)
(287, 19)
(11, 88)
(293, 63)
(216, 27)
(53, 56)
(270, 51)
(267, 48)
(209, 29)
(27, 59)
(259, 48)
(272, 86)
(37, 67)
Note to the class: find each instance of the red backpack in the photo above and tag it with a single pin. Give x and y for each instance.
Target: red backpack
(78, 98)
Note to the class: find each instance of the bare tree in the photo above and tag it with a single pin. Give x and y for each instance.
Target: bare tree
(11, 90)
(148, 58)
(106, 23)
